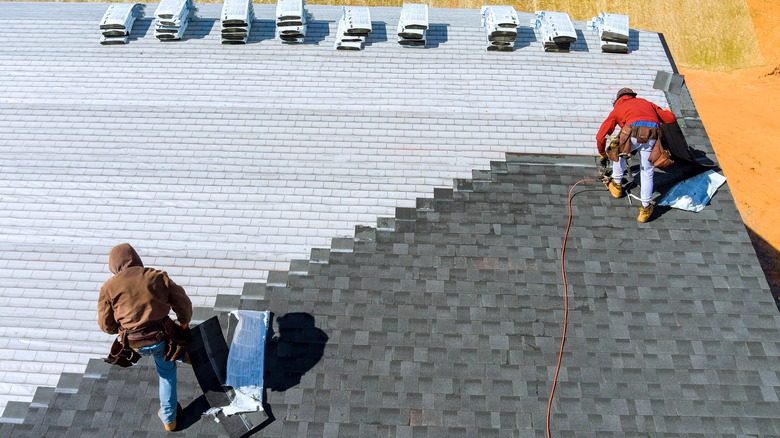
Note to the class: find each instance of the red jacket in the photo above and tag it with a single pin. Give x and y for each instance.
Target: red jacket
(628, 110)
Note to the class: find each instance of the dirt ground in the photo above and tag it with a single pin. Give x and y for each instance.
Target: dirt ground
(740, 113)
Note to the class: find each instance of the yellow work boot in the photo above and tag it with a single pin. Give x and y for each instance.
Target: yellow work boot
(169, 427)
(645, 213)
(615, 189)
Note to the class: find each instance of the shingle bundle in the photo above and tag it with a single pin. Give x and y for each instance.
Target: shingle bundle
(413, 25)
(236, 18)
(291, 18)
(612, 30)
(117, 22)
(354, 27)
(171, 19)
(500, 23)
(556, 29)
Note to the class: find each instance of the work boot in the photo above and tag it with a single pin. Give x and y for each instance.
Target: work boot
(645, 213)
(615, 189)
(169, 427)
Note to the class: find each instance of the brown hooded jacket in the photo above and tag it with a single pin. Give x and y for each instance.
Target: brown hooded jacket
(136, 296)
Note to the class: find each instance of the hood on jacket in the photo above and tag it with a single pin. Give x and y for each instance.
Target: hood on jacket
(123, 256)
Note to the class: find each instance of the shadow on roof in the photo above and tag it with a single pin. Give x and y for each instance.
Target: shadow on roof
(140, 28)
(581, 45)
(317, 31)
(633, 40)
(438, 33)
(261, 30)
(293, 351)
(525, 37)
(378, 33)
(768, 257)
(199, 28)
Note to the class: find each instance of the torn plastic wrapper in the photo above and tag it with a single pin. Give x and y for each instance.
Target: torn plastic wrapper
(694, 193)
(245, 364)
(246, 399)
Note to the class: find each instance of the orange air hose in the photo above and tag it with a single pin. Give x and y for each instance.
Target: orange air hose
(565, 303)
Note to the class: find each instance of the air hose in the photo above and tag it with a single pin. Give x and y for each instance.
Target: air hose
(565, 300)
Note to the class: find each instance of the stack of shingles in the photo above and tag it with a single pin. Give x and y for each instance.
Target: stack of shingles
(557, 30)
(236, 18)
(612, 30)
(117, 22)
(500, 23)
(413, 25)
(291, 18)
(171, 19)
(354, 27)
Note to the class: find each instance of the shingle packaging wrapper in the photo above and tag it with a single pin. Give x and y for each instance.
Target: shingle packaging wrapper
(694, 193)
(117, 23)
(413, 25)
(236, 18)
(613, 31)
(500, 23)
(354, 26)
(556, 30)
(171, 19)
(245, 364)
(291, 21)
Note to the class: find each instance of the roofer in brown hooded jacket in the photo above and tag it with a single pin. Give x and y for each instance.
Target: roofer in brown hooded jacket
(639, 121)
(135, 303)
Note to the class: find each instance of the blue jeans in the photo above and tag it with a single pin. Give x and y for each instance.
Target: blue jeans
(167, 372)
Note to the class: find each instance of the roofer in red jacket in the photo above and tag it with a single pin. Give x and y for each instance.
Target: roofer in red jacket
(638, 119)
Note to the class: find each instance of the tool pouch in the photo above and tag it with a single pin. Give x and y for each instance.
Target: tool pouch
(178, 340)
(620, 145)
(660, 157)
(150, 334)
(613, 149)
(121, 354)
(644, 134)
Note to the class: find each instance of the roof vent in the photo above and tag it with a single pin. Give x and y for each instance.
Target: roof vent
(556, 29)
(354, 27)
(669, 82)
(171, 19)
(612, 30)
(413, 25)
(237, 17)
(291, 18)
(500, 23)
(117, 22)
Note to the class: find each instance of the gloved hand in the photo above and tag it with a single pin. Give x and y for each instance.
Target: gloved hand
(603, 165)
